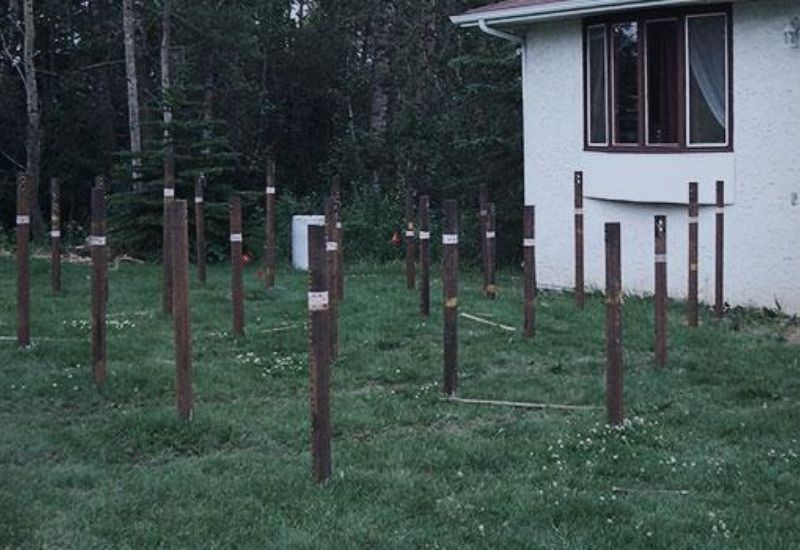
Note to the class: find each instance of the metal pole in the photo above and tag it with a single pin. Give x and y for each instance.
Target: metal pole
(200, 227)
(97, 241)
(660, 290)
(237, 282)
(694, 212)
(529, 284)
(580, 293)
(613, 325)
(177, 217)
(23, 262)
(424, 257)
(450, 285)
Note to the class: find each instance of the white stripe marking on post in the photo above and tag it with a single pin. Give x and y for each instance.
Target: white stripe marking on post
(410, 234)
(331, 246)
(693, 219)
(424, 235)
(169, 193)
(97, 241)
(529, 243)
(55, 234)
(579, 211)
(270, 190)
(491, 234)
(661, 258)
(720, 209)
(449, 239)
(23, 220)
(318, 301)
(236, 237)
(198, 200)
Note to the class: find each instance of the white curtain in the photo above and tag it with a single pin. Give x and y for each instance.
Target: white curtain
(707, 51)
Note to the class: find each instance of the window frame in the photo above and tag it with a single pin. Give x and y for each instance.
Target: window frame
(642, 18)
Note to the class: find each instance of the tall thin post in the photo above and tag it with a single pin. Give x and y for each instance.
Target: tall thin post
(177, 217)
(692, 299)
(660, 299)
(97, 241)
(529, 284)
(319, 300)
(424, 256)
(331, 258)
(55, 234)
(491, 252)
(450, 284)
(613, 325)
(237, 282)
(411, 252)
(23, 262)
(270, 240)
(483, 215)
(580, 293)
(169, 196)
(200, 227)
(336, 193)
(719, 284)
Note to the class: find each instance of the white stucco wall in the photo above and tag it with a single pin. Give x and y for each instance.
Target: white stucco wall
(762, 244)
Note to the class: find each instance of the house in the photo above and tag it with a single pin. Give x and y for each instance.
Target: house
(644, 97)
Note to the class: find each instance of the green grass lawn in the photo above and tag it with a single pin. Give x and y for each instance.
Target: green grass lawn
(708, 457)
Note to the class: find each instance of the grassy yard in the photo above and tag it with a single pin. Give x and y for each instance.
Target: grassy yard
(709, 456)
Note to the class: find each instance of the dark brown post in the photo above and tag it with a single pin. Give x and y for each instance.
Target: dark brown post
(411, 252)
(319, 353)
(424, 256)
(661, 291)
(483, 224)
(237, 282)
(694, 212)
(450, 284)
(270, 263)
(336, 193)
(529, 284)
(613, 325)
(580, 293)
(55, 234)
(331, 258)
(23, 262)
(491, 252)
(200, 227)
(719, 285)
(169, 196)
(97, 241)
(177, 217)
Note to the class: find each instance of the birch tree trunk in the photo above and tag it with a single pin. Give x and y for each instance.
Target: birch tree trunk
(132, 77)
(34, 138)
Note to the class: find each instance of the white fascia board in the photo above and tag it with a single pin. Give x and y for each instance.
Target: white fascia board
(563, 10)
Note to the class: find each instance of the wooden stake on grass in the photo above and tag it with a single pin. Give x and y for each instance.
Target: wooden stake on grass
(450, 285)
(200, 227)
(692, 299)
(613, 325)
(319, 300)
(483, 224)
(491, 252)
(169, 196)
(660, 298)
(97, 241)
(331, 258)
(177, 218)
(237, 282)
(55, 234)
(719, 285)
(23, 262)
(529, 283)
(580, 293)
(270, 263)
(410, 245)
(424, 257)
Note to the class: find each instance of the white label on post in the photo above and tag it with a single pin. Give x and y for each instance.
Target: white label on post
(198, 200)
(23, 220)
(661, 258)
(490, 234)
(169, 193)
(449, 239)
(579, 211)
(693, 219)
(318, 301)
(270, 190)
(720, 209)
(529, 243)
(331, 246)
(338, 225)
(410, 234)
(97, 241)
(424, 235)
(55, 234)
(236, 237)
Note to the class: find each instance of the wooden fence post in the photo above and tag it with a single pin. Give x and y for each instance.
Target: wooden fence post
(483, 226)
(319, 300)
(336, 193)
(331, 257)
(424, 256)
(270, 263)
(450, 284)
(491, 252)
(23, 262)
(529, 284)
(97, 241)
(411, 252)
(200, 227)
(169, 196)
(660, 290)
(580, 292)
(692, 299)
(177, 217)
(719, 285)
(237, 282)
(55, 234)
(613, 325)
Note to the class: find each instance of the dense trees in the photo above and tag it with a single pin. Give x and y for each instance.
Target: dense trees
(386, 93)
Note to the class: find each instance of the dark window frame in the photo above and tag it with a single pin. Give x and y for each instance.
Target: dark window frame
(642, 18)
